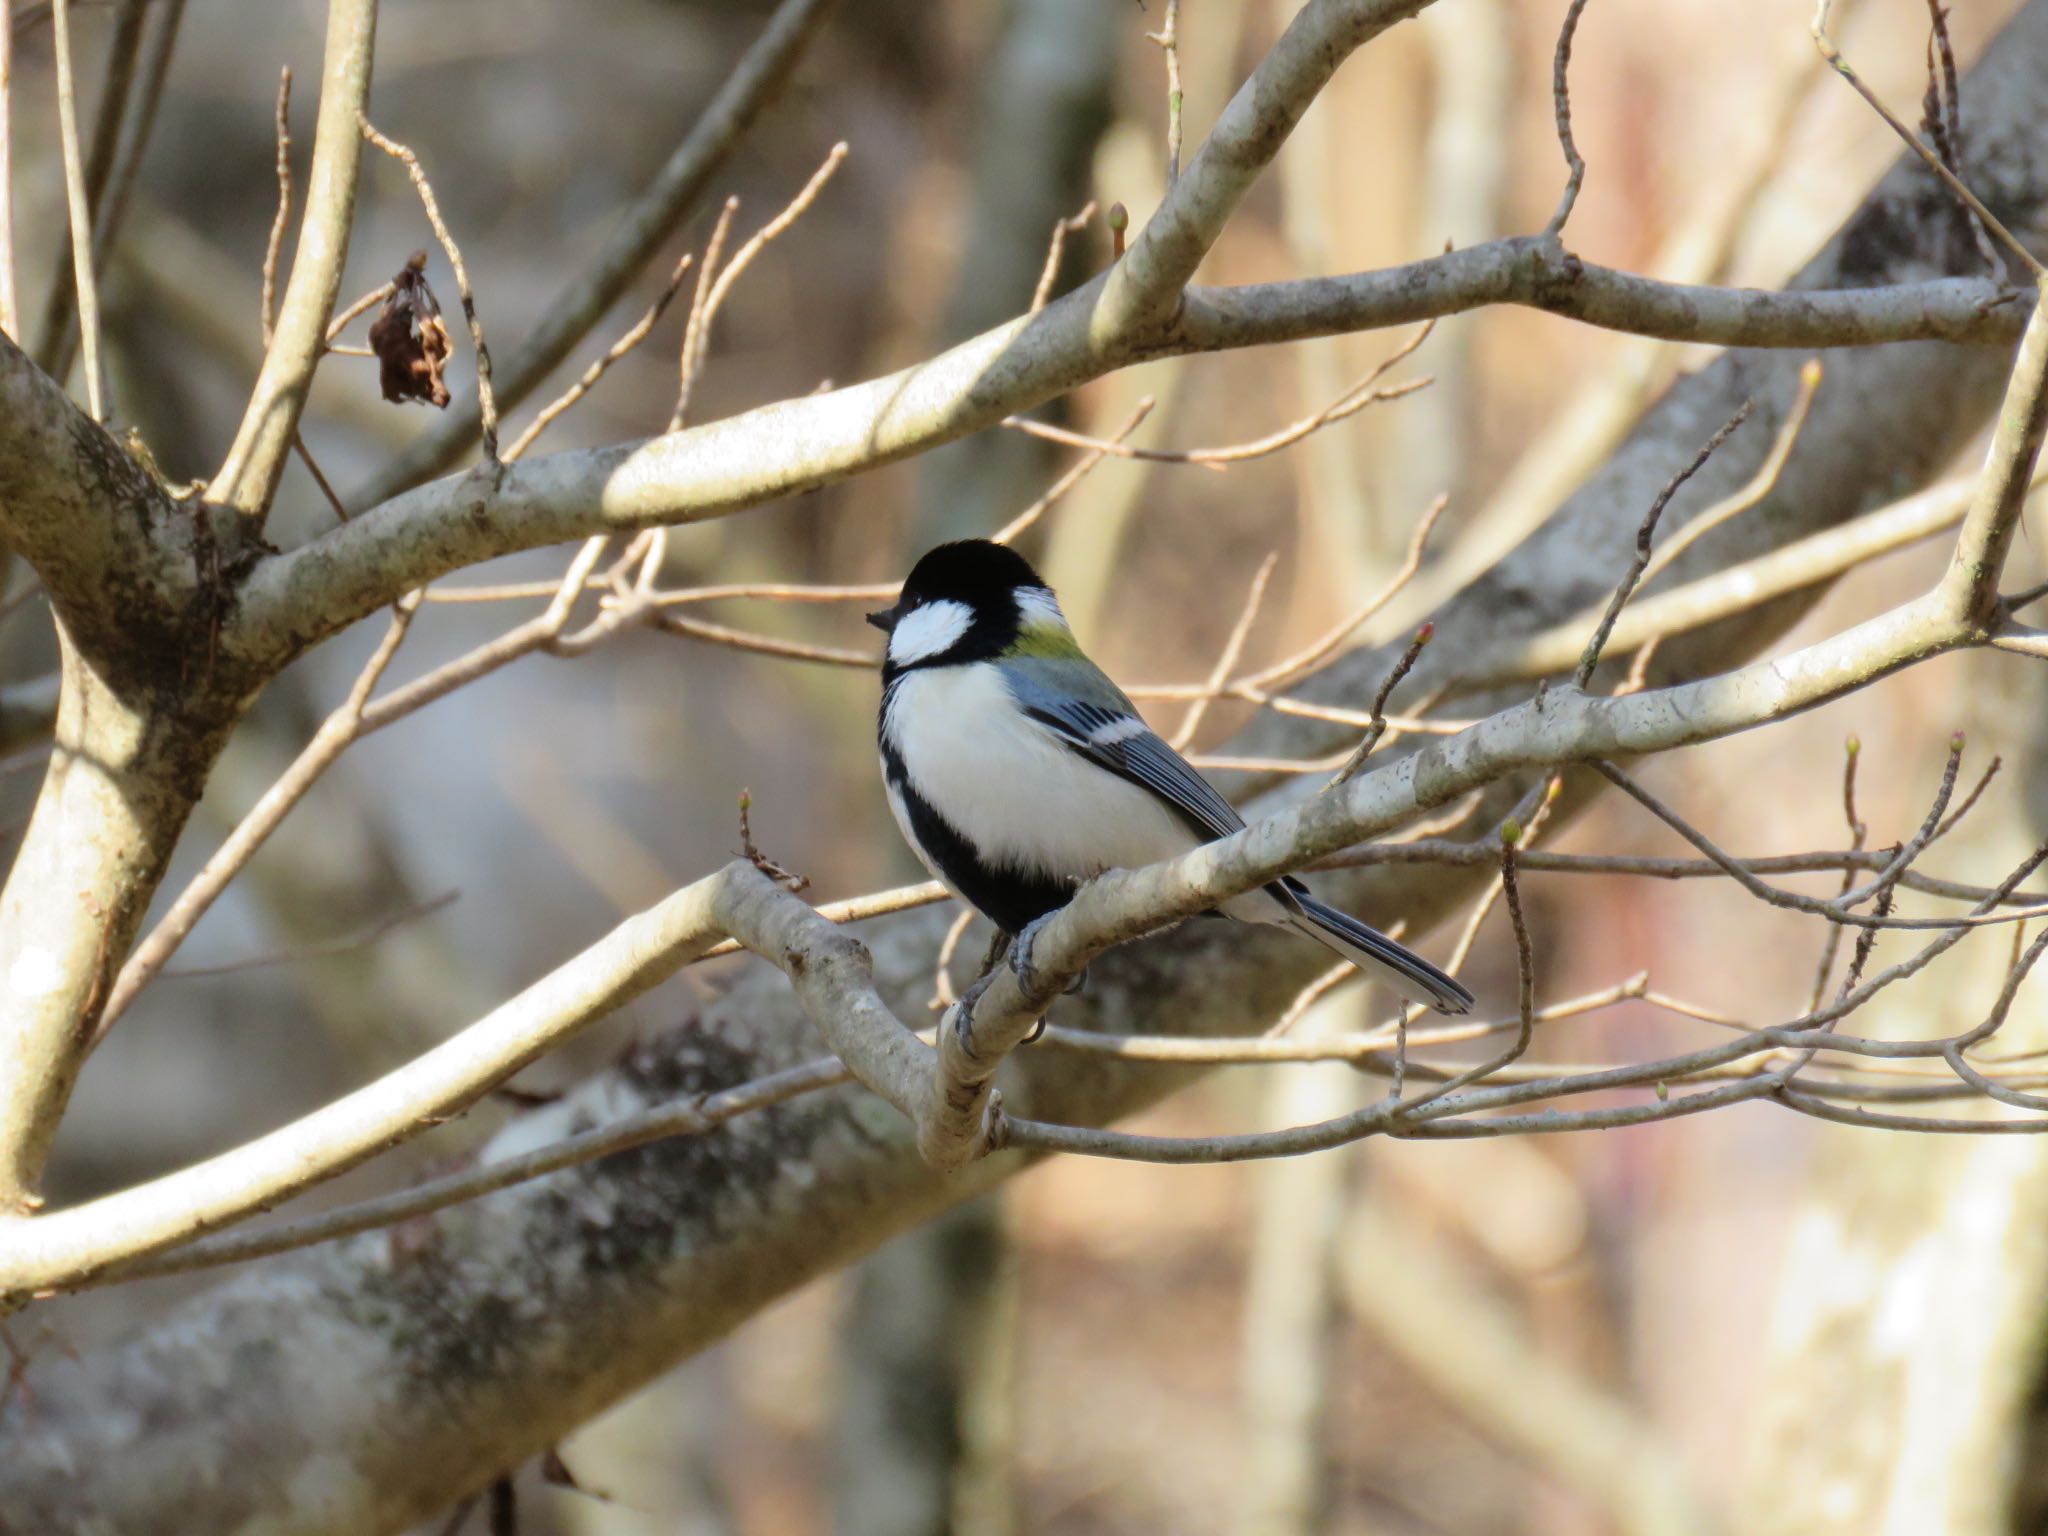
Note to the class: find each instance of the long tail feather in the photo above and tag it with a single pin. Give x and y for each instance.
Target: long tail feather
(1377, 955)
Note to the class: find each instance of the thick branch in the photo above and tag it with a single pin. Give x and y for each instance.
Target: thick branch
(119, 560)
(1143, 290)
(636, 956)
(1994, 515)
(798, 445)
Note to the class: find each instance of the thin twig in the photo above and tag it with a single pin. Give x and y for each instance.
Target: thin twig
(1970, 800)
(1233, 647)
(1055, 253)
(1168, 39)
(347, 944)
(80, 214)
(56, 344)
(1561, 105)
(1378, 725)
(1761, 484)
(111, 205)
(943, 994)
(694, 1116)
(1945, 114)
(486, 402)
(747, 88)
(1291, 669)
(1839, 909)
(1350, 403)
(319, 477)
(597, 370)
(1015, 528)
(1432, 850)
(734, 270)
(691, 362)
(363, 305)
(1590, 659)
(1913, 141)
(248, 477)
(274, 248)
(764, 645)
(1852, 751)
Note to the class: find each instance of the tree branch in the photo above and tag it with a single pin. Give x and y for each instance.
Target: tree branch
(248, 479)
(752, 83)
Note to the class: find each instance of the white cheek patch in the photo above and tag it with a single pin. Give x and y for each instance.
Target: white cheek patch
(1037, 605)
(926, 631)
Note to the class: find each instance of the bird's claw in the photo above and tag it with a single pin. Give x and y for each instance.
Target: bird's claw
(1027, 973)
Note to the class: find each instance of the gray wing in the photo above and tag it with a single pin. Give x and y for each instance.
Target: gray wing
(1078, 703)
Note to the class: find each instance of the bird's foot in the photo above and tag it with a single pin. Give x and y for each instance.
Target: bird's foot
(975, 988)
(1027, 973)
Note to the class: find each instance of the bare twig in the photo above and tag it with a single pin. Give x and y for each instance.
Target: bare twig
(1350, 403)
(319, 477)
(1644, 534)
(136, 123)
(1432, 850)
(346, 944)
(1168, 39)
(363, 305)
(944, 995)
(275, 247)
(486, 401)
(1760, 484)
(64, 299)
(1233, 647)
(690, 363)
(328, 743)
(703, 314)
(1944, 109)
(1840, 908)
(1913, 141)
(1292, 669)
(129, 96)
(632, 338)
(765, 645)
(1377, 726)
(1561, 105)
(1073, 476)
(80, 212)
(1734, 589)
(1055, 253)
(788, 879)
(1852, 751)
(247, 480)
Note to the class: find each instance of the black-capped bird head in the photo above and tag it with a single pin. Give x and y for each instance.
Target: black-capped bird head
(967, 601)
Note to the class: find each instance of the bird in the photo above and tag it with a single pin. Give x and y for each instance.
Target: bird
(1017, 769)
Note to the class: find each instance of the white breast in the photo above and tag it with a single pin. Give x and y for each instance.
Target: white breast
(1024, 799)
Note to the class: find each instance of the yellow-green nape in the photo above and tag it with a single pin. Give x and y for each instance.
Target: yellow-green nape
(1047, 639)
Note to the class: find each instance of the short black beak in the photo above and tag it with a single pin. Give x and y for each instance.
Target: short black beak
(884, 619)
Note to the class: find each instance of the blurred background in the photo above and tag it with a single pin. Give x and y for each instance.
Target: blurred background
(1521, 1336)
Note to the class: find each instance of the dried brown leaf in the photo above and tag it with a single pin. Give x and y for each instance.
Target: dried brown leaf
(411, 340)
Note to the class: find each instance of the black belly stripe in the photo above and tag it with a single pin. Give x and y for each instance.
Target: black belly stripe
(1006, 897)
